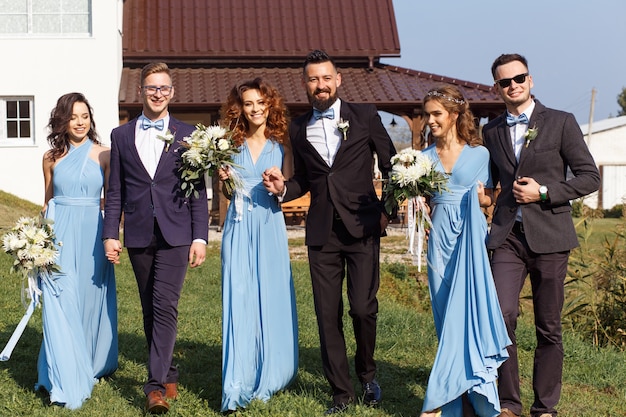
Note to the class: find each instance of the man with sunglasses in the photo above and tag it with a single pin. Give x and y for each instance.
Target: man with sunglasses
(532, 148)
(164, 231)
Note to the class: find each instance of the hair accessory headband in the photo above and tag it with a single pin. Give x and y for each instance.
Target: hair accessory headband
(452, 99)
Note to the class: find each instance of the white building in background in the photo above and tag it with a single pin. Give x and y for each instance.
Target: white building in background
(607, 144)
(50, 48)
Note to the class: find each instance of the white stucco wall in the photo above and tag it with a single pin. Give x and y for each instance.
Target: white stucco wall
(608, 147)
(46, 68)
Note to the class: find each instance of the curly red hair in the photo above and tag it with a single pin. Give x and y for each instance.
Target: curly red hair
(232, 116)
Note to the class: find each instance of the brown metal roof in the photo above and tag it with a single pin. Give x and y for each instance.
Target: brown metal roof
(393, 89)
(229, 31)
(213, 44)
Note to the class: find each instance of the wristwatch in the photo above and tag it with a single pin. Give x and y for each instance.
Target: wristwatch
(543, 193)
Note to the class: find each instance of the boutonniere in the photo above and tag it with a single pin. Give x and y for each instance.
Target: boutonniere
(168, 138)
(343, 126)
(530, 135)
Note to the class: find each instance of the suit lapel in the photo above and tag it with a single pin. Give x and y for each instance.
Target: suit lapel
(347, 115)
(504, 139)
(304, 143)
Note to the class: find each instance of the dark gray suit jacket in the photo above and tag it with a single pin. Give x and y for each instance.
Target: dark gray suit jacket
(345, 187)
(559, 145)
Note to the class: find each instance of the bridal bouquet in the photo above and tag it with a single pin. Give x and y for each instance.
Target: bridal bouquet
(206, 149)
(31, 243)
(412, 177)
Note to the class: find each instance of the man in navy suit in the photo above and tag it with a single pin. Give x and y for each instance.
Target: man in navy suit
(164, 231)
(532, 148)
(333, 146)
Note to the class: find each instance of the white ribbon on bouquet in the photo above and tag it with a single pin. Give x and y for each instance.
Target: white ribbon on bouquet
(418, 217)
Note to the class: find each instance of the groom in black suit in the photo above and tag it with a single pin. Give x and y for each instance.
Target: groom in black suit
(333, 147)
(532, 148)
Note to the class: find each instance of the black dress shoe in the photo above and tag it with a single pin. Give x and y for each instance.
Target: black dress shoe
(336, 409)
(372, 394)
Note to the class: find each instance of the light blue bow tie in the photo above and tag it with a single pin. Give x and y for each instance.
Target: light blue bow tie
(147, 124)
(512, 120)
(328, 113)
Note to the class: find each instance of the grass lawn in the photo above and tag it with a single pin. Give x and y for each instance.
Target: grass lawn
(593, 382)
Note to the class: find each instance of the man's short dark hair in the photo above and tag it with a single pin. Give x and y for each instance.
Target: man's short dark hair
(317, 57)
(505, 59)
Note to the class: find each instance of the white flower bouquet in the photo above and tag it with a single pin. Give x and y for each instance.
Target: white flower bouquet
(412, 177)
(206, 149)
(31, 243)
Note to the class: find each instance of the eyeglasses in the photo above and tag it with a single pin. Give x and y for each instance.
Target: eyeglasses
(151, 90)
(506, 82)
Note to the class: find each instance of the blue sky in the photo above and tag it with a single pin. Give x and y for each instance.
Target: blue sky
(572, 46)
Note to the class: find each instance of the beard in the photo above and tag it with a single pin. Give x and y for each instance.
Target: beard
(322, 104)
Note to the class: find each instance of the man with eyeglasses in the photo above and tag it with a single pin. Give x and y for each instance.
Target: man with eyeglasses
(532, 147)
(164, 231)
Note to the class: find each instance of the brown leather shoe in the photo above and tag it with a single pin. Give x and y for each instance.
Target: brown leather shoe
(171, 390)
(507, 413)
(156, 404)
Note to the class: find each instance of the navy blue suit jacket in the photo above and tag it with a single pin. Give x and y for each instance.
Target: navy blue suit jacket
(143, 199)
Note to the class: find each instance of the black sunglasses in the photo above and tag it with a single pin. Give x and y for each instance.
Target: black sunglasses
(519, 79)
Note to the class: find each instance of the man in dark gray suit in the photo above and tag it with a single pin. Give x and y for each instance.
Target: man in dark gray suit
(532, 147)
(333, 146)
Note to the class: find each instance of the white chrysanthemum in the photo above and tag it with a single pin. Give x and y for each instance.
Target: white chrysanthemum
(29, 232)
(12, 242)
(399, 175)
(216, 132)
(414, 173)
(193, 156)
(23, 222)
(47, 256)
(425, 162)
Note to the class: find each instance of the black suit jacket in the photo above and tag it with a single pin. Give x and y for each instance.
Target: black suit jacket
(347, 186)
(559, 145)
(143, 199)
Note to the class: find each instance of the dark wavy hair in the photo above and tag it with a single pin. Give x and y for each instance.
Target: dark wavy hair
(453, 101)
(233, 118)
(58, 125)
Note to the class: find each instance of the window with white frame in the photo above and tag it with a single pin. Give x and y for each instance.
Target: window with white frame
(45, 17)
(16, 117)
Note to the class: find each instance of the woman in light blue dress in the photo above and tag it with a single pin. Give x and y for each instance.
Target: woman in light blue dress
(259, 321)
(470, 328)
(79, 303)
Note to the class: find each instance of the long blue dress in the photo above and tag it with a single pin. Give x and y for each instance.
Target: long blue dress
(259, 321)
(79, 307)
(470, 328)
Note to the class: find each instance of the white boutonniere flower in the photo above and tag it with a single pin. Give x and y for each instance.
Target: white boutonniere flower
(530, 135)
(343, 126)
(168, 138)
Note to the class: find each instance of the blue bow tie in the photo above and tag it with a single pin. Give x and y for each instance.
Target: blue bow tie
(147, 124)
(328, 113)
(512, 120)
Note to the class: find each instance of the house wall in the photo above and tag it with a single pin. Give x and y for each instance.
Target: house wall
(46, 68)
(608, 148)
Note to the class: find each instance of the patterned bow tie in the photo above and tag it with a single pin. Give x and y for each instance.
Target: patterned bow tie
(328, 113)
(512, 120)
(147, 124)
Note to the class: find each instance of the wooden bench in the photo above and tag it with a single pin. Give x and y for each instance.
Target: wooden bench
(295, 211)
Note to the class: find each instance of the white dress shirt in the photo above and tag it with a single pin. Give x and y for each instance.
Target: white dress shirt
(518, 131)
(149, 147)
(324, 135)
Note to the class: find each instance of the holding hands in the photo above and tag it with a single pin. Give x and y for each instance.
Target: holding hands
(274, 181)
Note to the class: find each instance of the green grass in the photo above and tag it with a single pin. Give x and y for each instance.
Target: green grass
(593, 381)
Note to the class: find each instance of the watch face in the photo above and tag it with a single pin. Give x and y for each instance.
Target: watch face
(543, 189)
